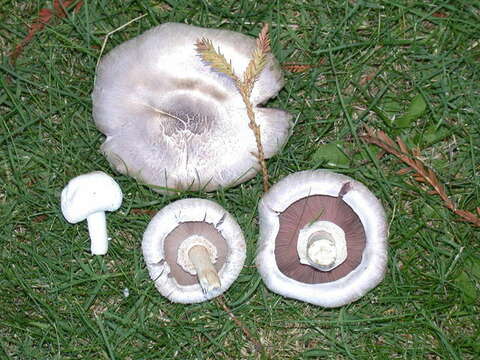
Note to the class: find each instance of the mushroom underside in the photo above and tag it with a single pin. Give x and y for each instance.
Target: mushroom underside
(305, 211)
(183, 231)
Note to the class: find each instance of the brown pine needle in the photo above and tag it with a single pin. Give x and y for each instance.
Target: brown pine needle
(297, 68)
(217, 61)
(258, 346)
(421, 173)
(45, 15)
(404, 171)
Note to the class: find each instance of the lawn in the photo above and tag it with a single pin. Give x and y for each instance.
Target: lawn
(409, 68)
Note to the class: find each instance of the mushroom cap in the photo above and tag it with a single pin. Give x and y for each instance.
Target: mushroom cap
(364, 275)
(173, 122)
(201, 217)
(90, 193)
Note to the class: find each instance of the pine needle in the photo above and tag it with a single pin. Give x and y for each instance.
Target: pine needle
(258, 346)
(258, 60)
(297, 68)
(421, 173)
(217, 61)
(215, 58)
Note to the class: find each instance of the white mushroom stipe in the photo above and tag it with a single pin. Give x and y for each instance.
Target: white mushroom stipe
(183, 257)
(196, 255)
(321, 251)
(173, 122)
(97, 229)
(194, 250)
(87, 197)
(322, 245)
(206, 273)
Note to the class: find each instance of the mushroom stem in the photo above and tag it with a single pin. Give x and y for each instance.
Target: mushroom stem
(321, 249)
(322, 244)
(207, 275)
(97, 228)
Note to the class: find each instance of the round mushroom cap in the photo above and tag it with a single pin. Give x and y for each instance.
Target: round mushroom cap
(90, 193)
(173, 122)
(307, 197)
(179, 221)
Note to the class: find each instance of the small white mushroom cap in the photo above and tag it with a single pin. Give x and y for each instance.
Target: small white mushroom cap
(171, 121)
(370, 271)
(155, 253)
(88, 196)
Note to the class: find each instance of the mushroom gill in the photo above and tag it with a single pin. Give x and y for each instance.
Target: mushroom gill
(310, 209)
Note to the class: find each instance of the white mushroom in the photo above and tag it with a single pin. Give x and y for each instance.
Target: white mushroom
(172, 121)
(194, 250)
(88, 196)
(323, 238)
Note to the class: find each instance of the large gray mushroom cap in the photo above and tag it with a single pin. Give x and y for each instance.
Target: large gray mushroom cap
(321, 207)
(172, 121)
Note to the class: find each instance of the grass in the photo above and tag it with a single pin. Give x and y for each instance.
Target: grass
(371, 60)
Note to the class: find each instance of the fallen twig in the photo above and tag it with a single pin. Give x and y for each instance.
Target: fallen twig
(258, 346)
(297, 68)
(148, 212)
(44, 17)
(421, 173)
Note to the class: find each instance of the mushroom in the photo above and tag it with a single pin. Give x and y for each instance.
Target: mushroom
(323, 238)
(194, 250)
(88, 196)
(173, 122)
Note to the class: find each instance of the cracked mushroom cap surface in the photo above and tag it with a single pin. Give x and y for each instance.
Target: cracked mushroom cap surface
(164, 240)
(173, 122)
(308, 198)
